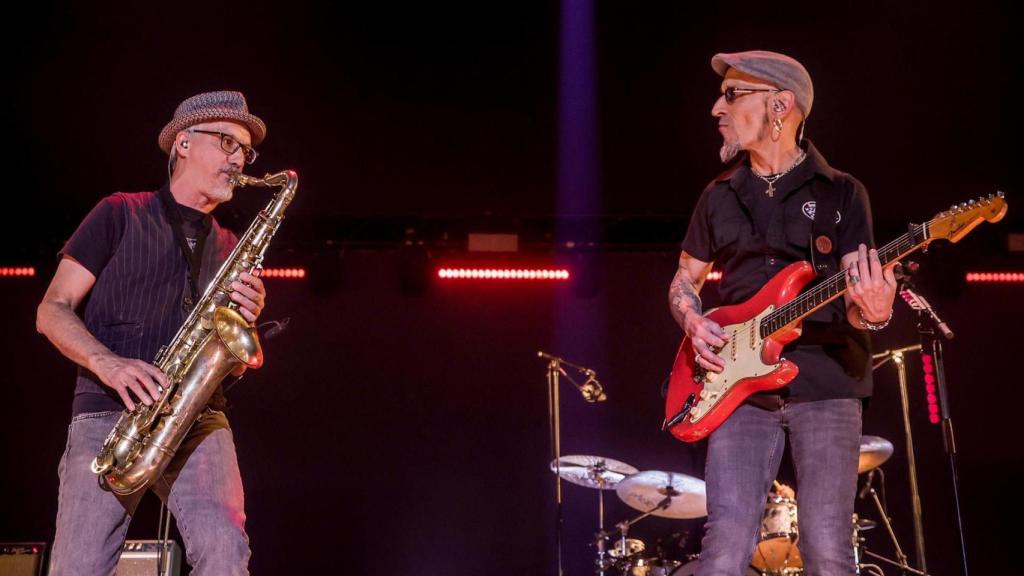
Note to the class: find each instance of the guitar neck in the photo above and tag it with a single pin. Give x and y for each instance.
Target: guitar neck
(807, 302)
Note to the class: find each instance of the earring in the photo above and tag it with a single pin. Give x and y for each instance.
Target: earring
(776, 129)
(184, 143)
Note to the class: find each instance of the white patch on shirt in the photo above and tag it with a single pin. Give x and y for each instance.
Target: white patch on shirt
(808, 210)
(192, 241)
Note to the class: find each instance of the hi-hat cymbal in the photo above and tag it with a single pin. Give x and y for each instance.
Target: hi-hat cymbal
(874, 451)
(592, 471)
(645, 490)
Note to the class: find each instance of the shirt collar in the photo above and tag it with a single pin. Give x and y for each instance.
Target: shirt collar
(738, 171)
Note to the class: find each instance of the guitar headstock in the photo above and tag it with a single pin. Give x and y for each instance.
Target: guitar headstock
(955, 223)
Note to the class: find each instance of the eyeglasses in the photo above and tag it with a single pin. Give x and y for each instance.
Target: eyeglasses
(732, 93)
(229, 144)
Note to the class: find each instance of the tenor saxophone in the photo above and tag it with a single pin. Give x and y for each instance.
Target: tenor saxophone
(214, 340)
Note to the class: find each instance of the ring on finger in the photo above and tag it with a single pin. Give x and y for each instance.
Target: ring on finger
(854, 279)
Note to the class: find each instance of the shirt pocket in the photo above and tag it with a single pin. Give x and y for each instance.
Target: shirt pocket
(122, 337)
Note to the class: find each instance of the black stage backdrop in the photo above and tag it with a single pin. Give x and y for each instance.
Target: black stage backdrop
(403, 428)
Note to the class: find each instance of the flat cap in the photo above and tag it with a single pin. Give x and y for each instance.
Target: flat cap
(777, 69)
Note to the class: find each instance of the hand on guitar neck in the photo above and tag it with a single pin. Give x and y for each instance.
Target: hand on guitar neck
(872, 289)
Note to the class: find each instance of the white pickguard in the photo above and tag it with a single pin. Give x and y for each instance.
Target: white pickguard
(742, 355)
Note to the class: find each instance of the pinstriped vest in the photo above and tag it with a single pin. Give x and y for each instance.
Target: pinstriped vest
(138, 301)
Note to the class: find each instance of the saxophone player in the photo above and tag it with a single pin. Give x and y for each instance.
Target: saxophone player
(139, 262)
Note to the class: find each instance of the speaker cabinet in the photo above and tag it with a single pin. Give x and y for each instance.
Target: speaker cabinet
(143, 558)
(22, 558)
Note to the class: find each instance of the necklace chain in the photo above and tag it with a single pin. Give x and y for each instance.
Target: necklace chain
(771, 179)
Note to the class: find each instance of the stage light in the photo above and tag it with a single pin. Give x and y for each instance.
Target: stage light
(996, 277)
(17, 271)
(928, 367)
(289, 273)
(514, 274)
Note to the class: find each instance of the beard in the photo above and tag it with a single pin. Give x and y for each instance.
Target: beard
(729, 150)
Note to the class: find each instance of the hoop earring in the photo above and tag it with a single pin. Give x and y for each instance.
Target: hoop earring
(776, 129)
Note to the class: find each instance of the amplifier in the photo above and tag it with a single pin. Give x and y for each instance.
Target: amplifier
(142, 558)
(22, 558)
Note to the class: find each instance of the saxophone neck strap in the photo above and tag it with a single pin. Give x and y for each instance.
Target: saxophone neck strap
(193, 253)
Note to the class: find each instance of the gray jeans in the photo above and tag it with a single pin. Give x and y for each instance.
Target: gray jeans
(202, 488)
(743, 459)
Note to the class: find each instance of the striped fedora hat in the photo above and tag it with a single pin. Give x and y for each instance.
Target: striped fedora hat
(210, 107)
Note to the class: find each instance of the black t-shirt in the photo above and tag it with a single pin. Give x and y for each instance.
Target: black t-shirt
(750, 238)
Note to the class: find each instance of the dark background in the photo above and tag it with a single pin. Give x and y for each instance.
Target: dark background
(400, 425)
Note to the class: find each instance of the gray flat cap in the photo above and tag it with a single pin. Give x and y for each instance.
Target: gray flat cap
(774, 68)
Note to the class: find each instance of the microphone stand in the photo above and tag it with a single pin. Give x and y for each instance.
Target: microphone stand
(555, 426)
(915, 496)
(930, 325)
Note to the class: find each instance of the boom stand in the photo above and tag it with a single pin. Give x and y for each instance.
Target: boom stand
(930, 326)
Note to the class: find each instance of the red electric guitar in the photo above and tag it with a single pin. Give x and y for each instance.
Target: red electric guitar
(699, 401)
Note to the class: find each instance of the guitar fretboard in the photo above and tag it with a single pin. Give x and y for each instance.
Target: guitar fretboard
(835, 285)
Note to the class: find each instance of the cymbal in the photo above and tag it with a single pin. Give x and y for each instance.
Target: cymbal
(874, 451)
(645, 490)
(592, 471)
(865, 524)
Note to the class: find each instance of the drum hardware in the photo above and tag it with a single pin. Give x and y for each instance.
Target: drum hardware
(592, 392)
(861, 551)
(603, 474)
(629, 564)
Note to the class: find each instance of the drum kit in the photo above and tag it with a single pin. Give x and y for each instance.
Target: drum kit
(680, 496)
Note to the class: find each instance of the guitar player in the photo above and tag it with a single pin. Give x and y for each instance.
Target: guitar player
(780, 202)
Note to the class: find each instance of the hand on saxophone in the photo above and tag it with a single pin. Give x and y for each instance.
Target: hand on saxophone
(248, 291)
(144, 380)
(250, 294)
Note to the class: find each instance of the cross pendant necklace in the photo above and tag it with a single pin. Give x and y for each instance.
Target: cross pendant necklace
(771, 179)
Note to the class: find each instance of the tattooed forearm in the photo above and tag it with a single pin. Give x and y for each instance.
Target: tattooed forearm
(682, 296)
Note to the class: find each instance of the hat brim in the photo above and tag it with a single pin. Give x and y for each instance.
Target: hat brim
(257, 129)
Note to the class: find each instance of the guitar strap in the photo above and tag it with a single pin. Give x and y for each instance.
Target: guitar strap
(824, 239)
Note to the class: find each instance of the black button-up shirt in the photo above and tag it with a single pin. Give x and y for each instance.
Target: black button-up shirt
(751, 238)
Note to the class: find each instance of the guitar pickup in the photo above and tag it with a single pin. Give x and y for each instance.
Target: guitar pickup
(680, 416)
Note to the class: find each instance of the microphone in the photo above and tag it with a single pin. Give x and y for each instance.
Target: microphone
(867, 485)
(591, 389)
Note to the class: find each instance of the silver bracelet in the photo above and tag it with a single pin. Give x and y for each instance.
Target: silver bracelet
(875, 326)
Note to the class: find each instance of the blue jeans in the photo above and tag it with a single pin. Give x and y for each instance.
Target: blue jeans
(202, 488)
(743, 459)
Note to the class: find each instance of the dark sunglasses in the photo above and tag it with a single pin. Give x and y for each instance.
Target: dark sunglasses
(732, 93)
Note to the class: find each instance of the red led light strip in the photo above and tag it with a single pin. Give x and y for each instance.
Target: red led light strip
(293, 273)
(929, 387)
(9, 271)
(503, 274)
(996, 277)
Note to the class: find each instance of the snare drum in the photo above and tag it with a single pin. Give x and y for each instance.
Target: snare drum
(777, 552)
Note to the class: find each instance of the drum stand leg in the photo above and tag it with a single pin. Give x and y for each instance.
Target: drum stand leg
(901, 558)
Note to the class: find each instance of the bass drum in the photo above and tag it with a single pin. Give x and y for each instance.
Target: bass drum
(690, 568)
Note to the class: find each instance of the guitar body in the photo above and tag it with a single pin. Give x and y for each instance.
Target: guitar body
(751, 363)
